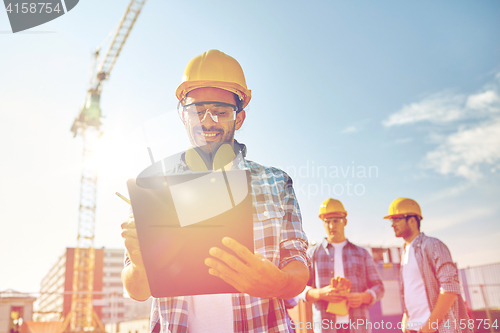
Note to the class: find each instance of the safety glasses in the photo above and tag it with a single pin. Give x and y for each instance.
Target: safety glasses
(218, 111)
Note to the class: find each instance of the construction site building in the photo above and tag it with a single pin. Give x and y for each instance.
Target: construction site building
(109, 302)
(15, 308)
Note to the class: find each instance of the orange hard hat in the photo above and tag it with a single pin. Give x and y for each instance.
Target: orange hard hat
(331, 208)
(403, 207)
(217, 70)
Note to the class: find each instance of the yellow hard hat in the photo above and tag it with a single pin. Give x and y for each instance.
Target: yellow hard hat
(331, 208)
(402, 207)
(214, 69)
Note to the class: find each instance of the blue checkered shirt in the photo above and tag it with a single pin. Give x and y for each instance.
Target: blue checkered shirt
(439, 273)
(359, 268)
(278, 235)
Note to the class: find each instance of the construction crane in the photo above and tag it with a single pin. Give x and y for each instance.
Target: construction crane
(82, 316)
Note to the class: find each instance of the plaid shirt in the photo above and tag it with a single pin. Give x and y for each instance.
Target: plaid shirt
(278, 235)
(439, 274)
(359, 268)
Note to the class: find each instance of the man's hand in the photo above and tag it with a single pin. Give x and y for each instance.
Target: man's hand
(443, 305)
(329, 294)
(355, 300)
(129, 235)
(134, 275)
(251, 273)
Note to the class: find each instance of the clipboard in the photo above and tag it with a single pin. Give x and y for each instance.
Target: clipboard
(179, 217)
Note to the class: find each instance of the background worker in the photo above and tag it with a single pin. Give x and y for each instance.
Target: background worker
(429, 278)
(212, 99)
(336, 256)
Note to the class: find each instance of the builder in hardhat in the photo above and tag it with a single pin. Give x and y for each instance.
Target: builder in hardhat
(429, 278)
(335, 257)
(212, 98)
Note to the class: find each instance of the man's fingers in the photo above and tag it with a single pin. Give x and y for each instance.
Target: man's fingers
(129, 224)
(132, 246)
(134, 253)
(230, 277)
(227, 279)
(336, 294)
(247, 272)
(129, 233)
(240, 250)
(260, 255)
(228, 259)
(221, 270)
(354, 300)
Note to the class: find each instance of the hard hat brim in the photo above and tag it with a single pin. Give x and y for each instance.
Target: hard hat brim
(398, 216)
(333, 214)
(185, 87)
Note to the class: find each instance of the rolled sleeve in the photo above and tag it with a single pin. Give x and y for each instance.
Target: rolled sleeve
(446, 270)
(294, 249)
(293, 245)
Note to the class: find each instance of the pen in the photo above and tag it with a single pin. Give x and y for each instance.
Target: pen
(124, 198)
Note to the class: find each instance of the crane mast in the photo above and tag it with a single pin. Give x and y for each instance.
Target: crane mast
(82, 316)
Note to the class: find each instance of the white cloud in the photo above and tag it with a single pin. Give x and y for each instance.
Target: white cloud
(437, 108)
(445, 107)
(464, 152)
(350, 129)
(486, 101)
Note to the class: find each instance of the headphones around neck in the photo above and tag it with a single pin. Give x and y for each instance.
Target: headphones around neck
(223, 158)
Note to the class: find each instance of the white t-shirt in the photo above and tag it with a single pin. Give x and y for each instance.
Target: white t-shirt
(414, 288)
(210, 313)
(338, 268)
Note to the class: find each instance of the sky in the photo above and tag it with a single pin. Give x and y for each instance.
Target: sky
(362, 101)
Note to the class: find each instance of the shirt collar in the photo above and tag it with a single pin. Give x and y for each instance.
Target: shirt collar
(418, 240)
(241, 152)
(240, 148)
(325, 243)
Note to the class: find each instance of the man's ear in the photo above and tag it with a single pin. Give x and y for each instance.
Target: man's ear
(240, 118)
(413, 221)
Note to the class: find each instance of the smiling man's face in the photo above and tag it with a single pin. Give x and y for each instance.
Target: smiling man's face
(208, 134)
